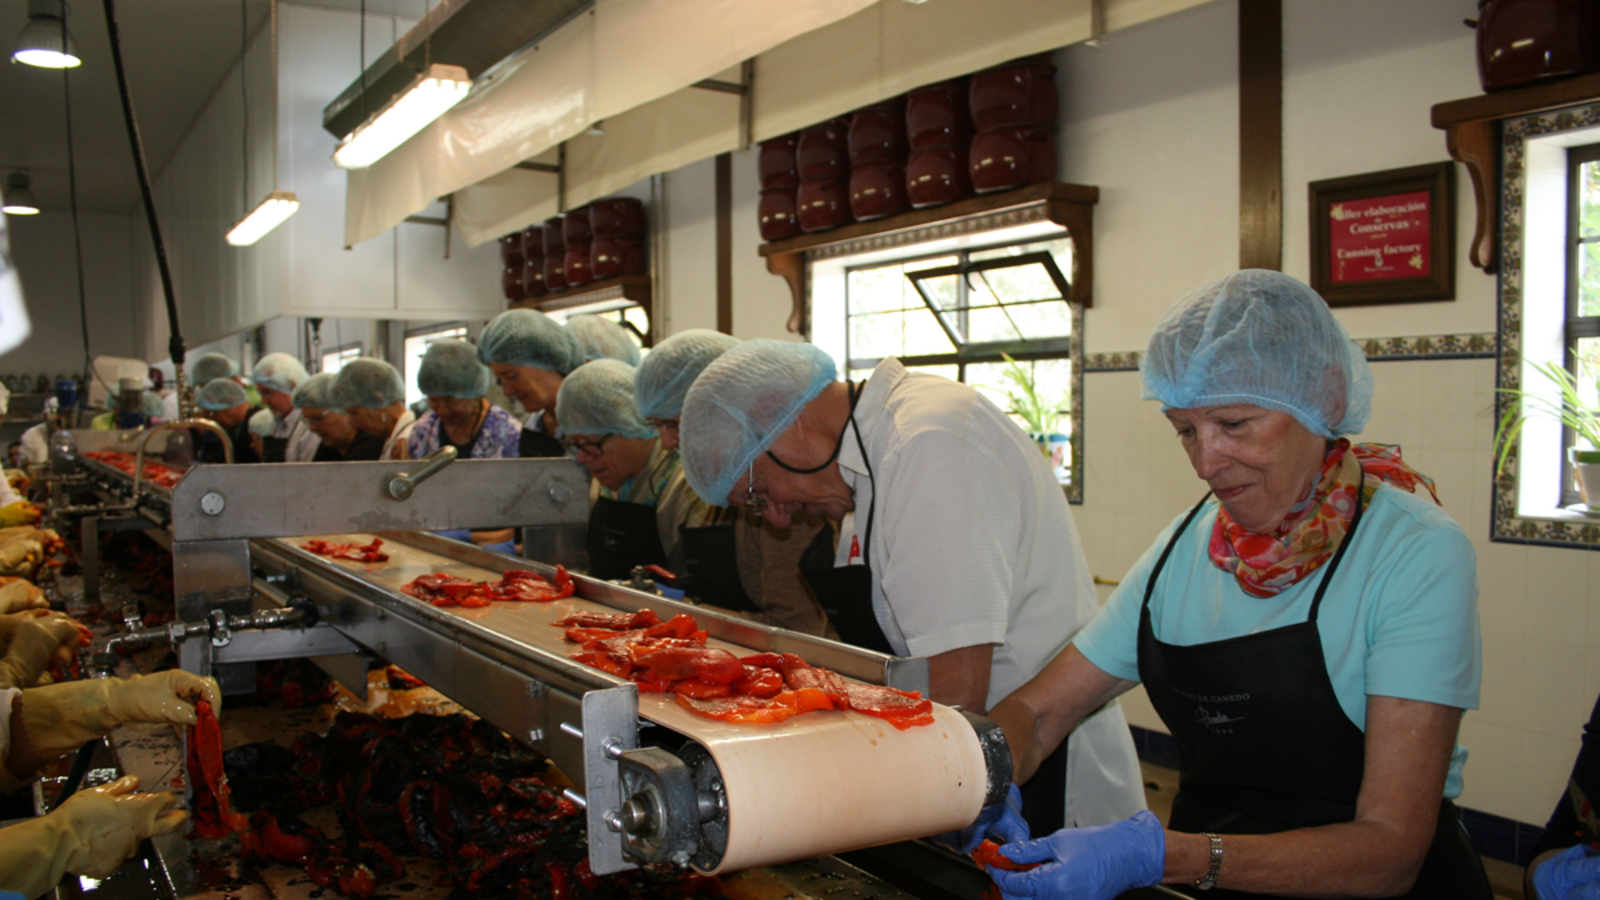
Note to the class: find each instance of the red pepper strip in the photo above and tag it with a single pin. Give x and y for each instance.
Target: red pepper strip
(679, 626)
(604, 663)
(987, 855)
(213, 813)
(644, 618)
(676, 663)
(763, 660)
(759, 682)
(701, 690)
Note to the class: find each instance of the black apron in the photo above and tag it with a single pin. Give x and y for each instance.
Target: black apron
(463, 450)
(538, 444)
(711, 567)
(274, 449)
(1263, 744)
(621, 536)
(845, 594)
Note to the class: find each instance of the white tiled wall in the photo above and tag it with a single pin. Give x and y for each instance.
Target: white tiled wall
(1539, 606)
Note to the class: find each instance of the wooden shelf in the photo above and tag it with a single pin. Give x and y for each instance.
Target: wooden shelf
(1069, 205)
(625, 287)
(1472, 133)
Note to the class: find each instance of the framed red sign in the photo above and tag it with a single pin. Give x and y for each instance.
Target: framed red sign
(1385, 237)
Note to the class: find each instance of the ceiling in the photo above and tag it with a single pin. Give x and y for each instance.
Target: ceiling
(175, 51)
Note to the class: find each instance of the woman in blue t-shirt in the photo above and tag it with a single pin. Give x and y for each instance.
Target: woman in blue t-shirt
(1308, 632)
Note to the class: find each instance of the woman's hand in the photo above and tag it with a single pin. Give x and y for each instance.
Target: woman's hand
(1087, 863)
(1571, 874)
(92, 834)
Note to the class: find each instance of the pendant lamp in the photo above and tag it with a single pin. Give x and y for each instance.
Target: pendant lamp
(45, 41)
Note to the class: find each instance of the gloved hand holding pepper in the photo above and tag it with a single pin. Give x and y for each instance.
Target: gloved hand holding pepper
(1088, 863)
(92, 834)
(33, 643)
(9, 622)
(1571, 874)
(19, 513)
(1001, 820)
(17, 594)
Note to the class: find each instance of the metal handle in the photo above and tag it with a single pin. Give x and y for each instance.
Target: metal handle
(138, 461)
(401, 484)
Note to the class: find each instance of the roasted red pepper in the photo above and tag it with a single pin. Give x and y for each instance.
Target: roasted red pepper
(367, 553)
(212, 810)
(677, 663)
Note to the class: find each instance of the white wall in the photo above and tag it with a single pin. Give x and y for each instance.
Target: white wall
(42, 248)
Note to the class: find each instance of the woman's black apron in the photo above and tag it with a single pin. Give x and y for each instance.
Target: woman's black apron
(1263, 744)
(711, 567)
(536, 444)
(845, 594)
(621, 536)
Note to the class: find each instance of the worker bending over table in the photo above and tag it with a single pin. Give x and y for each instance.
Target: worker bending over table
(225, 402)
(740, 562)
(374, 396)
(338, 439)
(530, 355)
(1308, 632)
(639, 495)
(956, 542)
(291, 440)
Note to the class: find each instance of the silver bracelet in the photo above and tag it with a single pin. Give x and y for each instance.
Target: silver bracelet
(1210, 881)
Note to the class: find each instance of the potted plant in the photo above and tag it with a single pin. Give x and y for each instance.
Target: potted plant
(1570, 410)
(1040, 413)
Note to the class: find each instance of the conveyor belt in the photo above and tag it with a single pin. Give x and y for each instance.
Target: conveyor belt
(813, 784)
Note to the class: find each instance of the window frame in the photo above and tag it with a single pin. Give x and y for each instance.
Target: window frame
(1576, 326)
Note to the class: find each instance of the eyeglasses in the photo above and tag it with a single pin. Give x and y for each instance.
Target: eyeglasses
(754, 503)
(663, 424)
(593, 448)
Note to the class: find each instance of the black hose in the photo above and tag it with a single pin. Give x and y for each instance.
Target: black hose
(175, 343)
(80, 768)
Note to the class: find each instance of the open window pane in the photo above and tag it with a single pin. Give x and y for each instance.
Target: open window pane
(1042, 320)
(1589, 279)
(1589, 200)
(943, 291)
(1020, 283)
(976, 300)
(991, 324)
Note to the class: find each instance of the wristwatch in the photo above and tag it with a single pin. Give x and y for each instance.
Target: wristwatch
(1210, 881)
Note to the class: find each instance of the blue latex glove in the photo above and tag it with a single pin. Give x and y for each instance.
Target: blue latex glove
(1003, 820)
(509, 548)
(1088, 863)
(456, 534)
(1571, 874)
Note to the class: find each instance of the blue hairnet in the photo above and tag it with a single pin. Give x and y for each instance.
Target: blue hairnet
(280, 372)
(603, 339)
(525, 337)
(665, 375)
(211, 366)
(316, 393)
(220, 393)
(1263, 338)
(597, 398)
(452, 369)
(740, 404)
(367, 382)
(261, 423)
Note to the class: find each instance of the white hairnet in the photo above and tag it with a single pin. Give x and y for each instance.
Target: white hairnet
(602, 338)
(280, 372)
(1263, 338)
(665, 375)
(316, 393)
(367, 382)
(212, 366)
(220, 393)
(526, 337)
(740, 404)
(597, 398)
(451, 369)
(261, 423)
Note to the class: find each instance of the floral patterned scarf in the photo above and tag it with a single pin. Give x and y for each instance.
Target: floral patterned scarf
(1266, 564)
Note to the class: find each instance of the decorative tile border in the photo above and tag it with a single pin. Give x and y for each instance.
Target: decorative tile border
(1394, 349)
(1504, 523)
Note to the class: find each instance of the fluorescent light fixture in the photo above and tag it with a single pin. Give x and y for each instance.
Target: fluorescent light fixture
(18, 198)
(44, 41)
(278, 206)
(429, 96)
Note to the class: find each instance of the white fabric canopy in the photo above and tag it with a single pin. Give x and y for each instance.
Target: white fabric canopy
(629, 63)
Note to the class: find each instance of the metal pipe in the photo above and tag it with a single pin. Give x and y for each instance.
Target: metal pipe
(138, 461)
(401, 484)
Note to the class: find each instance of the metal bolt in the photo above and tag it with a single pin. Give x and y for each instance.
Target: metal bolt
(575, 797)
(613, 820)
(613, 748)
(560, 492)
(569, 728)
(213, 503)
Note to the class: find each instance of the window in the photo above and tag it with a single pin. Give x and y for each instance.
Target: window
(631, 316)
(417, 344)
(961, 314)
(1583, 293)
(334, 360)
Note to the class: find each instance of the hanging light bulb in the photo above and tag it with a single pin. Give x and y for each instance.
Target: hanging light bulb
(430, 96)
(44, 41)
(18, 197)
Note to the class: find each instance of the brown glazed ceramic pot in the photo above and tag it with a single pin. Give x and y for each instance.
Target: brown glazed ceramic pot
(555, 277)
(937, 175)
(511, 249)
(613, 256)
(532, 242)
(878, 133)
(575, 227)
(533, 277)
(823, 203)
(1009, 158)
(616, 217)
(1526, 41)
(877, 189)
(1014, 96)
(776, 163)
(778, 213)
(575, 264)
(821, 151)
(554, 243)
(937, 114)
(511, 282)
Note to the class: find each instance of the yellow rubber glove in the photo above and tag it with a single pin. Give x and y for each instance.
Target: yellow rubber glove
(19, 513)
(17, 595)
(34, 642)
(9, 622)
(92, 834)
(60, 717)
